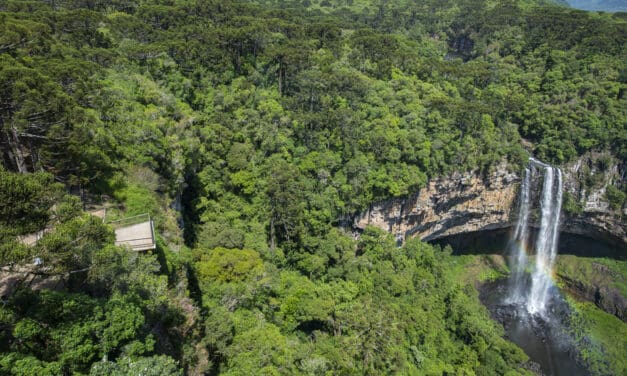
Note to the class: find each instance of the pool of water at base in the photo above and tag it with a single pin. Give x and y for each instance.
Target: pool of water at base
(543, 338)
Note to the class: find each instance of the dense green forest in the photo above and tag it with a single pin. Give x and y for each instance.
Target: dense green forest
(251, 131)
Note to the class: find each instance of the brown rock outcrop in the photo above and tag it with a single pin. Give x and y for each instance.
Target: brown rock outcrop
(447, 206)
(587, 182)
(463, 203)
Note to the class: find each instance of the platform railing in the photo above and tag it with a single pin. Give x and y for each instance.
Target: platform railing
(129, 221)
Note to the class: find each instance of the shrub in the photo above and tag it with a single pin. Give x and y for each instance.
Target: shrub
(615, 197)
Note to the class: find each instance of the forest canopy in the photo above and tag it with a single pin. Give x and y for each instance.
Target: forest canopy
(251, 131)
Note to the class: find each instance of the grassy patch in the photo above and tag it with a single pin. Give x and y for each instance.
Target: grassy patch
(479, 268)
(594, 271)
(602, 338)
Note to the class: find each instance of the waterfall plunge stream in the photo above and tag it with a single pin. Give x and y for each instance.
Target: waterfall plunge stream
(528, 306)
(535, 297)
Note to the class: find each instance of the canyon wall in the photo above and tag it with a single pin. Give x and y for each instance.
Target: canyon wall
(586, 180)
(447, 206)
(470, 202)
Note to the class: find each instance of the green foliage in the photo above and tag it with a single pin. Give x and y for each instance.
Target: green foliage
(142, 366)
(111, 301)
(590, 272)
(73, 326)
(25, 201)
(570, 204)
(70, 245)
(615, 197)
(469, 269)
(268, 124)
(602, 337)
(384, 310)
(33, 202)
(229, 265)
(137, 200)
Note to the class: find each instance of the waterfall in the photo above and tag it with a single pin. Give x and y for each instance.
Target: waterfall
(536, 298)
(546, 243)
(518, 245)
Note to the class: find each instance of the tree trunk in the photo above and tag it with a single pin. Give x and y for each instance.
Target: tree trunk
(281, 80)
(18, 153)
(272, 235)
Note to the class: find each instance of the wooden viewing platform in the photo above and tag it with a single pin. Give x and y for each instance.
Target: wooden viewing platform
(137, 232)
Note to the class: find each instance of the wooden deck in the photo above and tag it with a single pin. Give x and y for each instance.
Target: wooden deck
(137, 232)
(139, 237)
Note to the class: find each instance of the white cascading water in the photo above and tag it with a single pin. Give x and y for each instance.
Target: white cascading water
(535, 300)
(546, 243)
(519, 244)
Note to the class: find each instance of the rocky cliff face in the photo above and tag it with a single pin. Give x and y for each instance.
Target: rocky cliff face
(463, 203)
(448, 206)
(607, 298)
(586, 180)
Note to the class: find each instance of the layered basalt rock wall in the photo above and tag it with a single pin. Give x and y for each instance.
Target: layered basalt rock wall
(447, 206)
(471, 202)
(586, 180)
